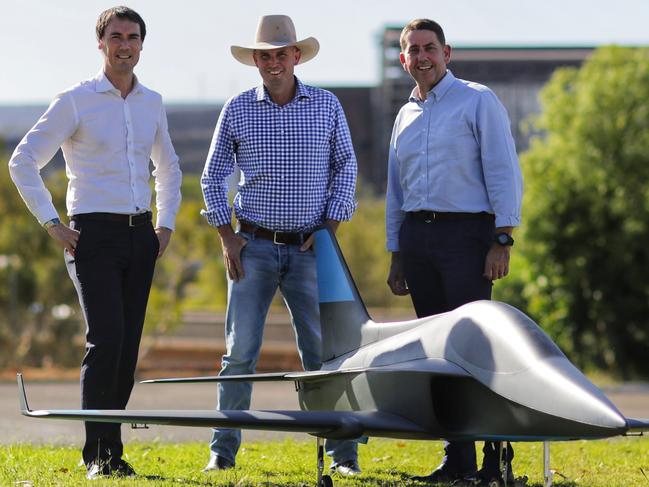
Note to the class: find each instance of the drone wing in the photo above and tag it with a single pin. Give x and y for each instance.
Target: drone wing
(326, 424)
(428, 365)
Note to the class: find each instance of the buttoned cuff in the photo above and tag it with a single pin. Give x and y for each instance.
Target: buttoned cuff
(45, 213)
(507, 221)
(393, 244)
(340, 211)
(166, 220)
(219, 217)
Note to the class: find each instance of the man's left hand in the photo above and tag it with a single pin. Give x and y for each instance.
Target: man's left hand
(164, 235)
(308, 243)
(497, 262)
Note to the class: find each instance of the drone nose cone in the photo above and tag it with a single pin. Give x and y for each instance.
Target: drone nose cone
(506, 351)
(557, 388)
(586, 401)
(596, 409)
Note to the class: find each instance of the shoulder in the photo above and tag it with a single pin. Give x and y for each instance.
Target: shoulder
(321, 95)
(151, 94)
(471, 89)
(81, 88)
(408, 110)
(241, 100)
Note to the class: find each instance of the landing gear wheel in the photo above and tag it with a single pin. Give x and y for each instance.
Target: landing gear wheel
(323, 480)
(326, 481)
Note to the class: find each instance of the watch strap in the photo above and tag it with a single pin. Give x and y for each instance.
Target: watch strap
(51, 223)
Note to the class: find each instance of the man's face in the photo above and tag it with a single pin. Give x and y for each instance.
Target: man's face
(425, 58)
(121, 45)
(276, 66)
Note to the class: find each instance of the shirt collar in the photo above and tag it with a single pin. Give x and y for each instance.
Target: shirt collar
(438, 91)
(103, 84)
(300, 92)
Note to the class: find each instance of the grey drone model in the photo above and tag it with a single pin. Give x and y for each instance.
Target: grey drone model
(507, 378)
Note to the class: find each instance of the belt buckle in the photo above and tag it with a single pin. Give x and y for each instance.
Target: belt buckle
(428, 220)
(130, 220)
(275, 239)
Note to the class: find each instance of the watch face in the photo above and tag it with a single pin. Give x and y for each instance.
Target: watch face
(504, 239)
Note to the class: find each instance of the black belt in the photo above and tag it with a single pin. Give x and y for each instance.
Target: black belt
(129, 220)
(280, 238)
(429, 216)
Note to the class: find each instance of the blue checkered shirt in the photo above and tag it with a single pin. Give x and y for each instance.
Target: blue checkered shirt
(297, 161)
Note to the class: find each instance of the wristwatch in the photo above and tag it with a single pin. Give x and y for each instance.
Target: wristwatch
(504, 239)
(51, 223)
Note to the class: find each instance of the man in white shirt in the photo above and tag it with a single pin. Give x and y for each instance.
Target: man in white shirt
(108, 128)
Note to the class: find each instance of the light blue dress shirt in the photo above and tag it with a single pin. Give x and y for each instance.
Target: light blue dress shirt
(453, 152)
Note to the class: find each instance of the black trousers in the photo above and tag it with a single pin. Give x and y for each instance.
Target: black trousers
(443, 263)
(112, 272)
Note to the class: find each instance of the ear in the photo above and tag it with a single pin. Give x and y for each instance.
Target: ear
(402, 59)
(447, 54)
(298, 55)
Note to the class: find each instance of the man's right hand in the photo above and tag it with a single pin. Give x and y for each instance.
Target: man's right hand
(396, 280)
(232, 245)
(65, 236)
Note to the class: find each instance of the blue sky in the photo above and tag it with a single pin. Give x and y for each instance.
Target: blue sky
(50, 45)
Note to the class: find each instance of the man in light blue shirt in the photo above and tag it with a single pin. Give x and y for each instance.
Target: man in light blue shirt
(453, 198)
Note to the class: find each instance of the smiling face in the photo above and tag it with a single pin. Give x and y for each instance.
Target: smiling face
(121, 45)
(425, 58)
(276, 66)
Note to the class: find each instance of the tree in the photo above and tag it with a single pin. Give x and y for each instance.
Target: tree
(586, 211)
(37, 299)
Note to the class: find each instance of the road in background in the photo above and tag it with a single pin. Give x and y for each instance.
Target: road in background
(16, 428)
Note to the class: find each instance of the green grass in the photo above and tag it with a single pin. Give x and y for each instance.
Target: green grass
(606, 463)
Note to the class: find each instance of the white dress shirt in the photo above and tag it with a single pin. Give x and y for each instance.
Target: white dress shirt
(453, 152)
(107, 142)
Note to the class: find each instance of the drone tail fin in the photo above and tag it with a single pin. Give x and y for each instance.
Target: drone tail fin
(342, 311)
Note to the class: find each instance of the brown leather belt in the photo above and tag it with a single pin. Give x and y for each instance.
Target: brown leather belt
(131, 220)
(280, 238)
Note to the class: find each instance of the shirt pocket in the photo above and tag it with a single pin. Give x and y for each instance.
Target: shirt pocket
(453, 142)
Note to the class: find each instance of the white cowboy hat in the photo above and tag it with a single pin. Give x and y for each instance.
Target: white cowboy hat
(273, 32)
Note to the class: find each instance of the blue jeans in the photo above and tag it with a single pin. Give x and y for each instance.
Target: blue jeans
(266, 267)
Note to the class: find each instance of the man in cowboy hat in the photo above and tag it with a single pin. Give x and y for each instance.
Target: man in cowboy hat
(292, 145)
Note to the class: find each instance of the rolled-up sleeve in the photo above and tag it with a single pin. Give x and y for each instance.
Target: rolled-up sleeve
(341, 203)
(36, 149)
(218, 167)
(167, 174)
(500, 166)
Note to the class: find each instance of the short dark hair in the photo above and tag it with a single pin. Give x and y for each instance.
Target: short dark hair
(121, 13)
(422, 24)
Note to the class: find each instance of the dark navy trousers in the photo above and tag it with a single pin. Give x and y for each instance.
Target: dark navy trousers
(112, 272)
(443, 263)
